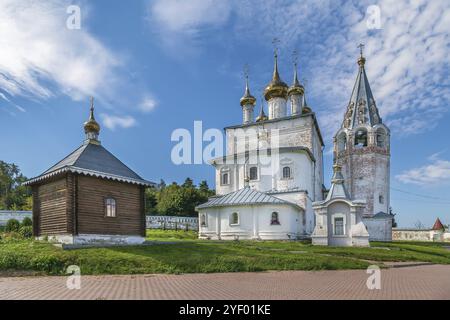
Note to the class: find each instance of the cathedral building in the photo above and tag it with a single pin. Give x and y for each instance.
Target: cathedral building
(272, 171)
(269, 185)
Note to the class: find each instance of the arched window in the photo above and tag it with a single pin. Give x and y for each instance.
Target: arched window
(253, 173)
(224, 178)
(286, 172)
(342, 142)
(381, 199)
(274, 220)
(203, 220)
(234, 218)
(381, 138)
(110, 207)
(361, 138)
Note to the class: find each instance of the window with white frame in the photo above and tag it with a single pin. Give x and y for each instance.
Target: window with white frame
(203, 220)
(110, 207)
(286, 172)
(225, 176)
(339, 226)
(234, 218)
(253, 173)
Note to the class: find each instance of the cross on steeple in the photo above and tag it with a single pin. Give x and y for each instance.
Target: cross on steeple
(361, 48)
(246, 71)
(275, 43)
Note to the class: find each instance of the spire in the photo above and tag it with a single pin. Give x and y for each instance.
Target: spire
(247, 98)
(305, 106)
(296, 87)
(262, 116)
(91, 127)
(276, 87)
(361, 108)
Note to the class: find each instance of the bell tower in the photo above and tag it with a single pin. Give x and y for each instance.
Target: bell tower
(362, 147)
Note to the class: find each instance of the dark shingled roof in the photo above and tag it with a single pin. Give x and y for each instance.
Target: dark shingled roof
(93, 160)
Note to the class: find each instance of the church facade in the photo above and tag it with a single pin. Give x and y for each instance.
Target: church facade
(271, 180)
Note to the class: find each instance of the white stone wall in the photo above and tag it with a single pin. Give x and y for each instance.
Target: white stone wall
(296, 104)
(355, 233)
(379, 229)
(366, 170)
(254, 223)
(277, 108)
(411, 235)
(247, 113)
(419, 235)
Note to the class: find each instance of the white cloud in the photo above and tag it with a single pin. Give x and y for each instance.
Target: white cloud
(147, 104)
(112, 122)
(179, 22)
(40, 57)
(188, 16)
(434, 173)
(407, 60)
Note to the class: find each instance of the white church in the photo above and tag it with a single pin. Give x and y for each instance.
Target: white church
(270, 183)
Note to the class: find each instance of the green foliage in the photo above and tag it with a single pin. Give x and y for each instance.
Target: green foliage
(177, 200)
(26, 222)
(26, 231)
(13, 195)
(12, 225)
(171, 235)
(185, 254)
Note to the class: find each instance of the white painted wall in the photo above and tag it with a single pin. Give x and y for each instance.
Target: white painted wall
(254, 223)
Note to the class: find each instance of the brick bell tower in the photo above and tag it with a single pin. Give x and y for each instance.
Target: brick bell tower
(362, 148)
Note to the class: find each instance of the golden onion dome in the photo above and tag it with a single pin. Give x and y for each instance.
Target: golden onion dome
(91, 125)
(276, 87)
(306, 110)
(262, 116)
(247, 98)
(296, 87)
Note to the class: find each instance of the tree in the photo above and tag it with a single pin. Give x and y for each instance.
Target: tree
(13, 195)
(181, 200)
(419, 225)
(151, 200)
(204, 189)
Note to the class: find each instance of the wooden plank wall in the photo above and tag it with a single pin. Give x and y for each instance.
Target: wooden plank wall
(51, 208)
(91, 207)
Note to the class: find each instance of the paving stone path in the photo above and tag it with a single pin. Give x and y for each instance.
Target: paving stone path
(401, 282)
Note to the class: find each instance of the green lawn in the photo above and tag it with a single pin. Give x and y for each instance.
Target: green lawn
(181, 252)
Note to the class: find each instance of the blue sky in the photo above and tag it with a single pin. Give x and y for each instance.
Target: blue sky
(155, 66)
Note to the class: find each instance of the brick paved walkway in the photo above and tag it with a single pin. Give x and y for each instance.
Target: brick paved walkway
(416, 282)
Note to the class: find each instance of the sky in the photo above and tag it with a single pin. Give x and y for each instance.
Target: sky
(154, 66)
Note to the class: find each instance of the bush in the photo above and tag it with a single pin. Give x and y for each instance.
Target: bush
(26, 222)
(12, 225)
(26, 231)
(11, 236)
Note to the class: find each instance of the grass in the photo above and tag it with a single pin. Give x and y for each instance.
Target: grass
(185, 254)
